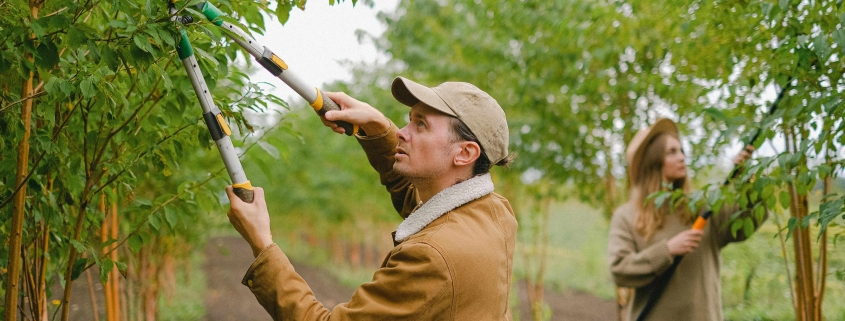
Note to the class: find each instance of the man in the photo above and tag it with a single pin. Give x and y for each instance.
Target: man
(453, 253)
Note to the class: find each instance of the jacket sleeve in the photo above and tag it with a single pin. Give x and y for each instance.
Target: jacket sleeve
(381, 152)
(389, 296)
(628, 266)
(721, 224)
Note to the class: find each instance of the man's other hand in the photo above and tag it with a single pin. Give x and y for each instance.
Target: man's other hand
(251, 219)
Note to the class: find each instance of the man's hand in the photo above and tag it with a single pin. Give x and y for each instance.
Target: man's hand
(685, 242)
(744, 155)
(355, 112)
(251, 219)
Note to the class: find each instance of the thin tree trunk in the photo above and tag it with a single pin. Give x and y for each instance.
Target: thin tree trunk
(93, 295)
(42, 269)
(822, 267)
(104, 231)
(114, 276)
(14, 267)
(785, 255)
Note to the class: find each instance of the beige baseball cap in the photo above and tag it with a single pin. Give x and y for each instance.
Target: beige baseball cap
(477, 109)
(638, 144)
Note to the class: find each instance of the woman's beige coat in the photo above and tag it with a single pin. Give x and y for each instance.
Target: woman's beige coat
(694, 291)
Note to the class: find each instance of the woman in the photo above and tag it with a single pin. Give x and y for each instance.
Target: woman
(645, 240)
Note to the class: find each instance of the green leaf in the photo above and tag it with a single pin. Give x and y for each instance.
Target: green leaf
(76, 37)
(142, 43)
(735, 226)
(747, 227)
(118, 24)
(105, 268)
(283, 11)
(154, 221)
(78, 267)
(87, 86)
(839, 38)
(37, 29)
(784, 5)
(171, 217)
(78, 245)
(135, 243)
(824, 171)
(821, 47)
(791, 224)
(48, 55)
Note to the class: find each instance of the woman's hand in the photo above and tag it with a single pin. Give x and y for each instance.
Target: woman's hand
(251, 219)
(744, 155)
(353, 111)
(685, 242)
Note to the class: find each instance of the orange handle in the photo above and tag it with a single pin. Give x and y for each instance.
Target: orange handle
(699, 224)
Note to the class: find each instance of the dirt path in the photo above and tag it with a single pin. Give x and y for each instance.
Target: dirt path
(228, 258)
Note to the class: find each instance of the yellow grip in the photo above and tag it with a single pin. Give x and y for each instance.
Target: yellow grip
(318, 103)
(224, 126)
(245, 185)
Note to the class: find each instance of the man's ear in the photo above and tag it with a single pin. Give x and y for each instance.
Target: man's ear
(469, 153)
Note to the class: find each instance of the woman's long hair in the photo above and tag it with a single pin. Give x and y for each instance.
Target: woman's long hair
(650, 180)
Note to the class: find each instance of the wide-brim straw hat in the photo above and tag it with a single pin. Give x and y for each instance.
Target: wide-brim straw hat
(637, 146)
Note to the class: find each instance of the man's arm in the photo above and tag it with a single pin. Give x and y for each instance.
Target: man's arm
(415, 284)
(379, 144)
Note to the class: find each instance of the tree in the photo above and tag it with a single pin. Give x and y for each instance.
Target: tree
(113, 118)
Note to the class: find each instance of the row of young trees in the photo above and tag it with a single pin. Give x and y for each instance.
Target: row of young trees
(104, 162)
(95, 109)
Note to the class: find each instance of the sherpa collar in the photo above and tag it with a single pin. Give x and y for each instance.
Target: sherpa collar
(443, 202)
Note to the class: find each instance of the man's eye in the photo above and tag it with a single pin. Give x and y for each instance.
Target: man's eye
(421, 124)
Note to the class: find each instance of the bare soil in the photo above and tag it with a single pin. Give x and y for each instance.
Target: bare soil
(228, 258)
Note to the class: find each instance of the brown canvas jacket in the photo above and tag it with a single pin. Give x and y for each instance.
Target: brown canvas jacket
(456, 267)
(694, 290)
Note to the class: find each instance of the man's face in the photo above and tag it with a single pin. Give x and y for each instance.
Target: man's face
(425, 150)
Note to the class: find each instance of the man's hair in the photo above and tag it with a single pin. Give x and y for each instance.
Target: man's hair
(460, 132)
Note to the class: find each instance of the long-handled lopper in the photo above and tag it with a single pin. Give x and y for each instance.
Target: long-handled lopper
(213, 117)
(275, 65)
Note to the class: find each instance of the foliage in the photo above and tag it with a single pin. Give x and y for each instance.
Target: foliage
(115, 114)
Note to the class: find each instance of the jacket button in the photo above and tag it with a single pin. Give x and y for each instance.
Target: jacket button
(249, 283)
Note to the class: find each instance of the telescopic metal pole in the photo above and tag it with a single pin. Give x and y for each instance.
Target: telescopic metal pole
(213, 117)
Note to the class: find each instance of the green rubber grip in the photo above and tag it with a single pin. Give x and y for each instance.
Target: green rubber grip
(329, 104)
(184, 46)
(246, 195)
(211, 13)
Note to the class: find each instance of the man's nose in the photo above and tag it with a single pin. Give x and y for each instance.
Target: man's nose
(401, 135)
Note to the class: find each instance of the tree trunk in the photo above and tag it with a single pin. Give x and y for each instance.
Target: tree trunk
(14, 270)
(104, 236)
(114, 275)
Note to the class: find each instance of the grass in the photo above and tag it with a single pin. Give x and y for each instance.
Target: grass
(754, 281)
(188, 301)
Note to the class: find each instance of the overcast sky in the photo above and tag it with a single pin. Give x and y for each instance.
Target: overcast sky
(313, 42)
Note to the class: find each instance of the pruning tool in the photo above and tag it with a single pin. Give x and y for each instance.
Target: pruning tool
(275, 65)
(212, 115)
(701, 221)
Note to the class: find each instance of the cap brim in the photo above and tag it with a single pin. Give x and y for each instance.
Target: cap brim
(410, 93)
(662, 126)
